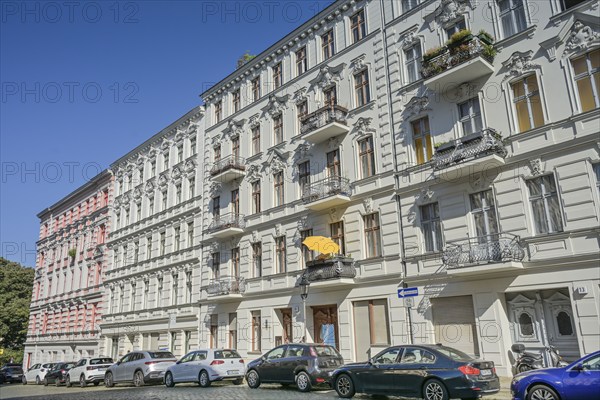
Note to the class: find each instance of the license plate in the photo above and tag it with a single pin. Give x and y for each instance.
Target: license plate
(486, 372)
(233, 372)
(101, 369)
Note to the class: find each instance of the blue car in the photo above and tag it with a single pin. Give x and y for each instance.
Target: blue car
(577, 381)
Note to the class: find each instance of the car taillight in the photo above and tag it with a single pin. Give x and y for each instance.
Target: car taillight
(242, 361)
(494, 370)
(62, 371)
(217, 362)
(468, 370)
(91, 368)
(151, 362)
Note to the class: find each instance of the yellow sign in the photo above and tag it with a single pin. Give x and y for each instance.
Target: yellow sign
(1, 351)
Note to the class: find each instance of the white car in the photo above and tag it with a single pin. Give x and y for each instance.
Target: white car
(37, 373)
(205, 366)
(88, 370)
(140, 367)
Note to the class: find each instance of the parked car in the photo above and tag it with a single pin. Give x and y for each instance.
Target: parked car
(36, 373)
(11, 373)
(89, 370)
(58, 373)
(304, 364)
(577, 381)
(432, 372)
(140, 367)
(205, 366)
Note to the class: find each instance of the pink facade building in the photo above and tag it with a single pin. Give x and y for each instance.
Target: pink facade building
(66, 304)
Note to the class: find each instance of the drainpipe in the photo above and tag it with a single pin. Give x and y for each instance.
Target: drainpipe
(396, 174)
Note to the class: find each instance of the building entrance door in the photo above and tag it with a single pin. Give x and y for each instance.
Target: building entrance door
(325, 320)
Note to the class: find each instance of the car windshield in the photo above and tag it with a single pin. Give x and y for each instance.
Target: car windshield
(96, 361)
(454, 354)
(220, 354)
(14, 370)
(161, 354)
(68, 366)
(326, 351)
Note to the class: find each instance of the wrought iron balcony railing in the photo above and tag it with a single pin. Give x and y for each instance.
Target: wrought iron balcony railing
(322, 117)
(494, 248)
(451, 56)
(227, 163)
(471, 146)
(331, 268)
(226, 221)
(331, 186)
(225, 285)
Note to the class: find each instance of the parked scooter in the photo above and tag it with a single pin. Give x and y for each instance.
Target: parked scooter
(548, 358)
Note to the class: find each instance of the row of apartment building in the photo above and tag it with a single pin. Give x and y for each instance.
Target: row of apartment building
(465, 166)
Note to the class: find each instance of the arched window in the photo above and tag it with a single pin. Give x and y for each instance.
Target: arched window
(564, 323)
(525, 324)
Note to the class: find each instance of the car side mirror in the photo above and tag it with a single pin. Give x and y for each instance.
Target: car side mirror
(118, 363)
(578, 367)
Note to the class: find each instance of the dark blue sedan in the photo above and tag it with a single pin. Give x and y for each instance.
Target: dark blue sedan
(577, 381)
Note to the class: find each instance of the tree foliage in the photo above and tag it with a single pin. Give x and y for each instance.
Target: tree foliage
(16, 283)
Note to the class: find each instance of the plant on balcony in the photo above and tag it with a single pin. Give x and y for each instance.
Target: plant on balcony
(459, 37)
(439, 145)
(72, 253)
(489, 52)
(485, 37)
(433, 53)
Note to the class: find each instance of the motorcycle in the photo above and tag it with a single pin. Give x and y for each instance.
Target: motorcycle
(548, 358)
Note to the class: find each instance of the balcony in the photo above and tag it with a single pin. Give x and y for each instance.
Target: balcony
(327, 193)
(226, 288)
(468, 60)
(334, 271)
(323, 124)
(470, 154)
(228, 169)
(497, 252)
(227, 225)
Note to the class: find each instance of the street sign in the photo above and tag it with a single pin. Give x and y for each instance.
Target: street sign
(408, 292)
(409, 302)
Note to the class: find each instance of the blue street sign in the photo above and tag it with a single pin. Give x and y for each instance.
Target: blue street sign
(408, 292)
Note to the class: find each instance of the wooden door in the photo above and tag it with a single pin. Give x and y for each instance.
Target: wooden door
(325, 320)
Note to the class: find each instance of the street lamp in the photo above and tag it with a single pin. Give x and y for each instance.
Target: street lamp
(304, 286)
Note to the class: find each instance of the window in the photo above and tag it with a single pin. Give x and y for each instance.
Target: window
(256, 140)
(526, 325)
(455, 27)
(235, 201)
(526, 98)
(190, 234)
(333, 163)
(216, 265)
(191, 188)
(564, 324)
(145, 295)
(233, 331)
(216, 209)
(278, 184)
(373, 317)
(302, 110)
(132, 297)
(307, 255)
(256, 197)
(214, 330)
(388, 357)
(218, 111)
(236, 98)
(544, 204)
(431, 226)
(417, 356)
(412, 63)
(301, 61)
(159, 291)
(330, 97)
(483, 209)
(304, 176)
(192, 146)
(162, 244)
(277, 77)
(257, 259)
(422, 140)
(256, 330)
(177, 239)
(148, 247)
(278, 129)
(163, 201)
(361, 88)
(470, 116)
(512, 16)
(280, 257)
(327, 45)
(358, 26)
(566, 4)
(337, 235)
(235, 261)
(587, 78)
(408, 5)
(597, 173)
(372, 235)
(235, 147)
(255, 88)
(217, 153)
(178, 193)
(150, 206)
(366, 156)
(136, 252)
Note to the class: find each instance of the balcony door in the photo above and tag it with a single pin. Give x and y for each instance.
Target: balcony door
(330, 97)
(486, 246)
(235, 202)
(325, 320)
(334, 167)
(470, 116)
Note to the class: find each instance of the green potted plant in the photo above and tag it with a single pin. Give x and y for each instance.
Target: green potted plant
(459, 37)
(485, 37)
(72, 253)
(433, 53)
(489, 52)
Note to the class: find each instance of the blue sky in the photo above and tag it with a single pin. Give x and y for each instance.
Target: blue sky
(82, 83)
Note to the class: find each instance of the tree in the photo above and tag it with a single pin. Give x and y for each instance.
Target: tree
(16, 283)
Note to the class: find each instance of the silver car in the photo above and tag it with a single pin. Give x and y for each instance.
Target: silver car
(205, 366)
(139, 367)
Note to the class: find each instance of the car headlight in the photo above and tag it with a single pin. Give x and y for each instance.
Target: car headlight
(516, 379)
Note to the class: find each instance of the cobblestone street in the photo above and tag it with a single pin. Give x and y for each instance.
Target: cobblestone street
(218, 391)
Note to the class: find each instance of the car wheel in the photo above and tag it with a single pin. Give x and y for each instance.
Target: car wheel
(203, 379)
(37, 380)
(253, 379)
(24, 380)
(45, 381)
(108, 380)
(542, 392)
(344, 386)
(138, 379)
(238, 381)
(82, 382)
(68, 381)
(169, 382)
(57, 382)
(303, 382)
(434, 390)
